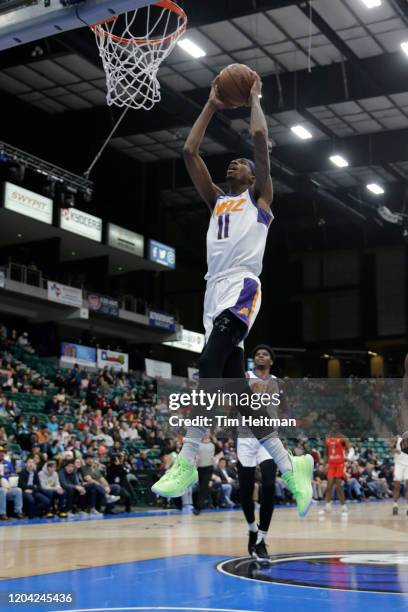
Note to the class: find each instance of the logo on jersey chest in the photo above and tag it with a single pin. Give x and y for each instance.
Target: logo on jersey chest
(230, 206)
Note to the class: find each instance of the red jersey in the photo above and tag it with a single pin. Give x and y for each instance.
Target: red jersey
(335, 450)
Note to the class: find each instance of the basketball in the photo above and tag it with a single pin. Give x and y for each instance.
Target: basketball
(234, 84)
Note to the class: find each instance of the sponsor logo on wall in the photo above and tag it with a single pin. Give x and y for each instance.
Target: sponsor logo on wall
(125, 240)
(28, 203)
(81, 223)
(64, 294)
(162, 320)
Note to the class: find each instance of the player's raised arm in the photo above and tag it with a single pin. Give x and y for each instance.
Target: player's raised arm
(259, 133)
(195, 164)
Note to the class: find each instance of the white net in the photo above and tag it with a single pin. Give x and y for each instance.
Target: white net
(132, 47)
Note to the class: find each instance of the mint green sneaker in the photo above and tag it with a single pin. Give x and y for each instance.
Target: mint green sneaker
(299, 482)
(177, 479)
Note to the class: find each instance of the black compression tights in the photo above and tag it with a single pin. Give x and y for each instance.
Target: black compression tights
(246, 477)
(222, 358)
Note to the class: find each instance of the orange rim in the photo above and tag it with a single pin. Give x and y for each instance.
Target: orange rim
(166, 4)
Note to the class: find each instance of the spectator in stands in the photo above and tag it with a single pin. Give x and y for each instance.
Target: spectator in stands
(3, 436)
(11, 408)
(35, 501)
(52, 424)
(22, 340)
(223, 482)
(205, 466)
(52, 405)
(34, 424)
(61, 397)
(43, 437)
(7, 492)
(118, 473)
(51, 487)
(143, 462)
(77, 495)
(92, 473)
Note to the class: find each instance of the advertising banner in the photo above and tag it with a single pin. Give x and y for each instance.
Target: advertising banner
(113, 359)
(81, 223)
(162, 320)
(158, 369)
(77, 353)
(63, 294)
(28, 203)
(162, 254)
(103, 304)
(190, 341)
(125, 240)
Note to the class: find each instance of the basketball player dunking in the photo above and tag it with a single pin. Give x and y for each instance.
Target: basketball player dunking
(236, 240)
(251, 453)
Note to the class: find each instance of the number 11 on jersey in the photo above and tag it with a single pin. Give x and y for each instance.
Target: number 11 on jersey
(223, 226)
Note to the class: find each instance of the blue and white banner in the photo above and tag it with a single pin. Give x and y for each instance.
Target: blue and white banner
(162, 254)
(77, 353)
(162, 320)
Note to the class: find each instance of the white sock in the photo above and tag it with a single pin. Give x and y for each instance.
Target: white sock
(191, 443)
(278, 453)
(262, 535)
(253, 527)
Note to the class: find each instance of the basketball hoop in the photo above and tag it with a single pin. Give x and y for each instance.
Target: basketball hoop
(132, 47)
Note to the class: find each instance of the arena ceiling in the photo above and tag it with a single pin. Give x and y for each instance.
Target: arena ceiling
(334, 67)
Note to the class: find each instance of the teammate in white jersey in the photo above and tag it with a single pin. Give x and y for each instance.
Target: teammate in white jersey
(236, 241)
(251, 453)
(400, 472)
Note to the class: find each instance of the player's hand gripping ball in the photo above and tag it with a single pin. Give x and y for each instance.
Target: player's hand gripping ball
(234, 84)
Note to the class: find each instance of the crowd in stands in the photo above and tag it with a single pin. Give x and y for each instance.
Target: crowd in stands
(80, 443)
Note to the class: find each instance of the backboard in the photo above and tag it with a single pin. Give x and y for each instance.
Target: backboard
(23, 21)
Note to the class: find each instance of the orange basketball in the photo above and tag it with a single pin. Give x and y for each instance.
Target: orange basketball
(234, 84)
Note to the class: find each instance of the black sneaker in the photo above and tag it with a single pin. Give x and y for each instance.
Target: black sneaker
(395, 511)
(252, 542)
(261, 551)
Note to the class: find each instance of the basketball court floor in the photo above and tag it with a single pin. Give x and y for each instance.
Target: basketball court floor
(167, 560)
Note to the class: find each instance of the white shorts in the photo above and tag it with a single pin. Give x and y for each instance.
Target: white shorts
(400, 472)
(240, 292)
(250, 452)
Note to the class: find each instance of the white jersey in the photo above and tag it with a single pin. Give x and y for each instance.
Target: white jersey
(250, 451)
(400, 458)
(266, 388)
(236, 236)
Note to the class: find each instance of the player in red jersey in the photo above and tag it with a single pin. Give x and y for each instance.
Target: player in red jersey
(336, 446)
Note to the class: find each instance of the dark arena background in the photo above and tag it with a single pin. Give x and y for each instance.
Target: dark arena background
(102, 266)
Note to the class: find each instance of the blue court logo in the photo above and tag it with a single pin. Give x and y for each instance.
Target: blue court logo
(375, 572)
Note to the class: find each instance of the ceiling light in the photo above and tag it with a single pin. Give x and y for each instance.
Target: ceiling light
(376, 189)
(339, 161)
(372, 3)
(19, 235)
(301, 132)
(73, 253)
(191, 48)
(404, 47)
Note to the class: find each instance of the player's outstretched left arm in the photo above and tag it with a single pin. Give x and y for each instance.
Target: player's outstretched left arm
(259, 133)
